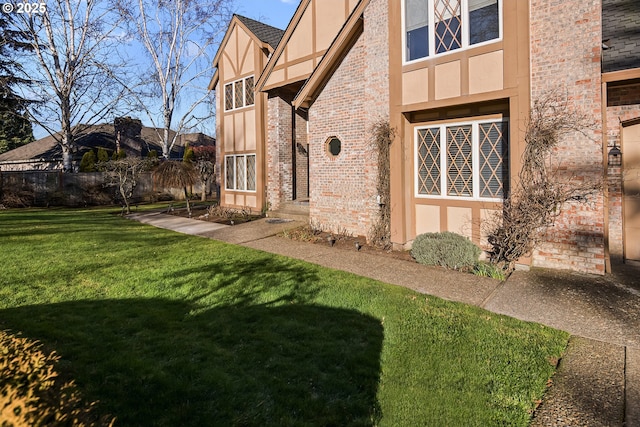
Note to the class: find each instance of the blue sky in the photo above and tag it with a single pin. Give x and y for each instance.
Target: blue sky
(276, 13)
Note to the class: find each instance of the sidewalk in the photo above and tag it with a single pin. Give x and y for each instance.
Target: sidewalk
(598, 381)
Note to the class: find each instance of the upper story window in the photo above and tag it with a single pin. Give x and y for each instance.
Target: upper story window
(433, 27)
(239, 94)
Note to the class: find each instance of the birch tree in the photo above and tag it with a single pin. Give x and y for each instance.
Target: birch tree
(179, 39)
(72, 65)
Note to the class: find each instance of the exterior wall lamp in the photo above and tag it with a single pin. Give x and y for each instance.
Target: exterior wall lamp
(615, 156)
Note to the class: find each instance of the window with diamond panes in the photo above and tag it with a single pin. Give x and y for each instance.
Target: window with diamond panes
(248, 91)
(429, 161)
(239, 94)
(251, 173)
(240, 172)
(459, 161)
(230, 168)
(467, 160)
(228, 97)
(493, 152)
(433, 27)
(448, 25)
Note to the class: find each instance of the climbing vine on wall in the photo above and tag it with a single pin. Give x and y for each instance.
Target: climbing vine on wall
(382, 135)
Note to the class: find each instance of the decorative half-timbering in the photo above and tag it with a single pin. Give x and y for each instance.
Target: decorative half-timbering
(456, 80)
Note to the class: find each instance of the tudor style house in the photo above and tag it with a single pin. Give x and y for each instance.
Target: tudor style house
(456, 80)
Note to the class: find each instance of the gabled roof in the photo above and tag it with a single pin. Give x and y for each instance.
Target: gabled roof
(265, 35)
(338, 49)
(273, 59)
(621, 34)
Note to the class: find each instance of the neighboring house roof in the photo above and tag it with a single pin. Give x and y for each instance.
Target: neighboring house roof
(621, 34)
(338, 49)
(266, 35)
(103, 136)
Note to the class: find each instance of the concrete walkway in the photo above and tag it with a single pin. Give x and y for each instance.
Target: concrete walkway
(598, 380)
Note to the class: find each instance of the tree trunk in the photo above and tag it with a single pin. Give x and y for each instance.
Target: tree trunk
(186, 197)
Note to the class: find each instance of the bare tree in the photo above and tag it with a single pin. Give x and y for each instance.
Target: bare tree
(544, 187)
(179, 38)
(124, 174)
(73, 61)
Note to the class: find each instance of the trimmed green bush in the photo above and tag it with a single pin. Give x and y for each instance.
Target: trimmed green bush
(103, 155)
(88, 162)
(189, 155)
(446, 249)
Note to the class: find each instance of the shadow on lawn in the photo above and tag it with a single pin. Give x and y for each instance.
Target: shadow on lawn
(155, 362)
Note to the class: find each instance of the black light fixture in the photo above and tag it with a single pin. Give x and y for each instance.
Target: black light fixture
(615, 156)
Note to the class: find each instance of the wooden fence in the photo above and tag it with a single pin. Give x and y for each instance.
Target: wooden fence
(55, 188)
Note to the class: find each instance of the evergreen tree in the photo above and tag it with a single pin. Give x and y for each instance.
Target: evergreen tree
(15, 127)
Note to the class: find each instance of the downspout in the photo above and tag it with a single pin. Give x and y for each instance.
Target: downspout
(294, 186)
(605, 183)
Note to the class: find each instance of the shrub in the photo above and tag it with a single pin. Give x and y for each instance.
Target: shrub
(152, 154)
(445, 249)
(103, 156)
(189, 155)
(32, 392)
(88, 162)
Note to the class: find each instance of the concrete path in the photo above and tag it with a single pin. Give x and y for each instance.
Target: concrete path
(598, 380)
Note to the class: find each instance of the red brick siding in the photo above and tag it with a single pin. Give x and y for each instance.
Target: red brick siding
(278, 152)
(565, 55)
(343, 188)
(302, 159)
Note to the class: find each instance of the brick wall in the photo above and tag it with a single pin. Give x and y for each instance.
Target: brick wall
(343, 188)
(302, 158)
(623, 103)
(279, 168)
(565, 56)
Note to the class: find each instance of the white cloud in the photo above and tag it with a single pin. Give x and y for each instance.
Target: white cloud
(289, 1)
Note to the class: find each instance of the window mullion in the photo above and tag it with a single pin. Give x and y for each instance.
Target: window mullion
(246, 169)
(443, 160)
(464, 16)
(235, 173)
(432, 29)
(475, 159)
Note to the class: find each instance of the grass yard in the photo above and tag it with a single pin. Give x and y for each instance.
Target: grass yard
(166, 329)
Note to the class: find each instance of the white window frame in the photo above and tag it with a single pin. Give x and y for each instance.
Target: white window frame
(233, 94)
(432, 42)
(235, 175)
(475, 158)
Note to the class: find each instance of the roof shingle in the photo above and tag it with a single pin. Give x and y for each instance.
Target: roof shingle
(266, 33)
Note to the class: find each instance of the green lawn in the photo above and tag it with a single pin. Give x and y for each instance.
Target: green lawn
(174, 330)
